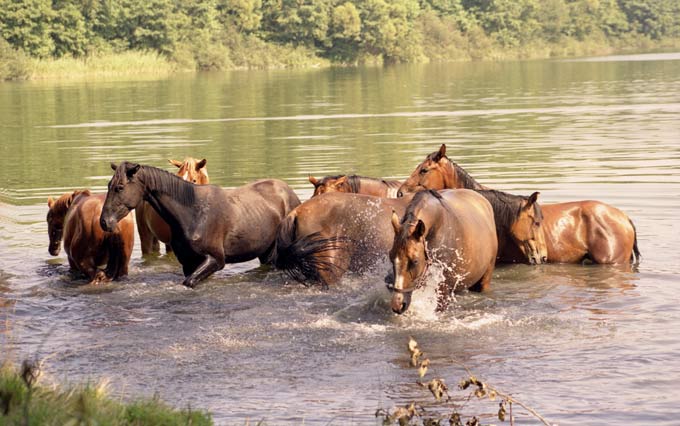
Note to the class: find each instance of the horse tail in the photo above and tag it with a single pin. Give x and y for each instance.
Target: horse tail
(305, 258)
(635, 256)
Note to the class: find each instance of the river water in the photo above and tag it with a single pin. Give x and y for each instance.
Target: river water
(594, 345)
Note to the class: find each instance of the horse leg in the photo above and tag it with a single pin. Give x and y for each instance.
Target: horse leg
(168, 248)
(147, 240)
(484, 282)
(333, 266)
(209, 266)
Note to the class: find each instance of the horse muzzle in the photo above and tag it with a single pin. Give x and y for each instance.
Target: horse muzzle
(54, 249)
(400, 302)
(108, 224)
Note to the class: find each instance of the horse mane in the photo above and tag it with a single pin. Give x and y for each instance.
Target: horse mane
(62, 204)
(468, 181)
(354, 181)
(506, 208)
(168, 183)
(410, 215)
(161, 181)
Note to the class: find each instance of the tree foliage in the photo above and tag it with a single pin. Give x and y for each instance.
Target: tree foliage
(207, 33)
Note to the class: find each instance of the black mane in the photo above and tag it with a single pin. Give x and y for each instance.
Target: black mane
(161, 181)
(354, 181)
(506, 208)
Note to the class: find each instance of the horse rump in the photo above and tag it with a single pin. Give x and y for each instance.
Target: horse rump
(309, 258)
(635, 256)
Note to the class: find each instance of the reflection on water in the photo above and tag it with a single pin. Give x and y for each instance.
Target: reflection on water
(577, 343)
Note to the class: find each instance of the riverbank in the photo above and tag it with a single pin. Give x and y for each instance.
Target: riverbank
(453, 47)
(23, 400)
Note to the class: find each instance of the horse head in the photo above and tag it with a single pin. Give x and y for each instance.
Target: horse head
(435, 172)
(192, 170)
(527, 231)
(56, 216)
(330, 184)
(125, 193)
(409, 259)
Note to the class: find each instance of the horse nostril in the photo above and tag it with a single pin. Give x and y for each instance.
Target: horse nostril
(102, 223)
(400, 194)
(544, 259)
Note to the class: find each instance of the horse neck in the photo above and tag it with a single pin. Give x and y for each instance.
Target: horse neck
(369, 186)
(168, 197)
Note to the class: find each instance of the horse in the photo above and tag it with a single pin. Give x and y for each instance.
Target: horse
(150, 226)
(519, 227)
(210, 226)
(454, 228)
(333, 233)
(75, 217)
(356, 185)
(575, 232)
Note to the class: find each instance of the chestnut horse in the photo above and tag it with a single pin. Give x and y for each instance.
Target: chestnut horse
(454, 228)
(150, 226)
(333, 233)
(574, 232)
(75, 217)
(210, 226)
(356, 185)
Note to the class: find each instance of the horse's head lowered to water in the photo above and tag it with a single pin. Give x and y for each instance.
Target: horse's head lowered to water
(438, 172)
(56, 216)
(125, 193)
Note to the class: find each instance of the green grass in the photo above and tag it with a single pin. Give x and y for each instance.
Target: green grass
(84, 404)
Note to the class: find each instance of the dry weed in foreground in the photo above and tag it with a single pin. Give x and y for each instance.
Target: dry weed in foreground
(416, 415)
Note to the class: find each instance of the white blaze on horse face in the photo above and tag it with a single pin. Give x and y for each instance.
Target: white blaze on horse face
(185, 176)
(398, 277)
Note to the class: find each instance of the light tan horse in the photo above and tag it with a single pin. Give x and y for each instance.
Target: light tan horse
(356, 185)
(574, 232)
(75, 217)
(150, 226)
(454, 228)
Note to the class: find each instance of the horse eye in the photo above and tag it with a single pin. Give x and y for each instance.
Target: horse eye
(423, 171)
(119, 188)
(537, 224)
(194, 181)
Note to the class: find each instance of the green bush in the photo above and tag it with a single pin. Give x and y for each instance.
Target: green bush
(13, 63)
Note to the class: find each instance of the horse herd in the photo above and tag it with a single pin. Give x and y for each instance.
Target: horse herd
(440, 214)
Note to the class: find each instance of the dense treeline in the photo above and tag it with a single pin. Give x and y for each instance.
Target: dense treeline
(216, 34)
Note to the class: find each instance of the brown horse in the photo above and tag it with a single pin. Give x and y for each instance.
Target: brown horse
(150, 226)
(574, 232)
(75, 217)
(333, 233)
(356, 185)
(454, 228)
(210, 226)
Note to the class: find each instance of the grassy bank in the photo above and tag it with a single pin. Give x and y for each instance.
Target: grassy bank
(24, 401)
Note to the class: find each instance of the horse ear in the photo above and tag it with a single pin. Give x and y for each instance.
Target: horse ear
(395, 222)
(441, 153)
(341, 180)
(532, 200)
(131, 169)
(419, 231)
(50, 201)
(201, 164)
(113, 166)
(175, 163)
(314, 181)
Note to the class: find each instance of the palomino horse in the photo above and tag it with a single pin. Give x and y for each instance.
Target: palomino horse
(356, 185)
(75, 217)
(150, 226)
(454, 228)
(210, 226)
(574, 232)
(333, 233)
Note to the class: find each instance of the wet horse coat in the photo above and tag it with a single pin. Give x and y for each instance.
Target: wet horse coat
(333, 233)
(75, 217)
(210, 225)
(356, 185)
(454, 228)
(150, 226)
(574, 232)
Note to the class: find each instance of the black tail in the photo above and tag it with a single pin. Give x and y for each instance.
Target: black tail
(304, 258)
(635, 256)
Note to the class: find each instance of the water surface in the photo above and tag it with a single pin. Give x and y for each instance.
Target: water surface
(593, 345)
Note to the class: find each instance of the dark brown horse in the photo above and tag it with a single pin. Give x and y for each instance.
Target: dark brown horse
(210, 226)
(333, 233)
(150, 226)
(356, 185)
(75, 217)
(574, 232)
(454, 228)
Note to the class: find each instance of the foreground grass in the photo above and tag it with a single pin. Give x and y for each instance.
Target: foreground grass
(22, 401)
